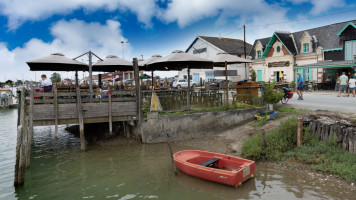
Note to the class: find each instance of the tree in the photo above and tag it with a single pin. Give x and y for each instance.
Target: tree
(9, 82)
(55, 77)
(19, 82)
(253, 75)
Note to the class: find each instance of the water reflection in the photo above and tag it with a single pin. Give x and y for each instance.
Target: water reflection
(60, 170)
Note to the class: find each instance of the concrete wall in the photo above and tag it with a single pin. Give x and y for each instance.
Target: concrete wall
(193, 125)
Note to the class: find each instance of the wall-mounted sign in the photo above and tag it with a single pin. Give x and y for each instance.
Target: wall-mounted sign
(222, 72)
(278, 64)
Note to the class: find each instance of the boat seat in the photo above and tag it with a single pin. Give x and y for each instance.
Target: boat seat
(209, 162)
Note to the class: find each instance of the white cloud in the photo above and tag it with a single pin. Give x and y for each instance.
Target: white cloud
(186, 12)
(72, 38)
(19, 11)
(320, 6)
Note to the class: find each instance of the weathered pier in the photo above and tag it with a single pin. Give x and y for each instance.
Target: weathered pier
(71, 107)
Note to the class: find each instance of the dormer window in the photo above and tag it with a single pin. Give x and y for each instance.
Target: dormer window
(306, 47)
(350, 50)
(259, 54)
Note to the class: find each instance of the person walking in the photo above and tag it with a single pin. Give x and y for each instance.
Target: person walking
(352, 85)
(343, 84)
(300, 87)
(337, 83)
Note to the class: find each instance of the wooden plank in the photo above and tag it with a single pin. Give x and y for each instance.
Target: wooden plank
(56, 112)
(110, 116)
(86, 121)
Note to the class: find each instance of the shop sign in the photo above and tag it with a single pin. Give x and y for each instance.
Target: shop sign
(278, 64)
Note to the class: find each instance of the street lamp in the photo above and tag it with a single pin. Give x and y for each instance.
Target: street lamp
(123, 51)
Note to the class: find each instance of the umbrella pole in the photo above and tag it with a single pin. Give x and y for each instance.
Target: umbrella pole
(76, 79)
(188, 91)
(226, 86)
(90, 73)
(152, 84)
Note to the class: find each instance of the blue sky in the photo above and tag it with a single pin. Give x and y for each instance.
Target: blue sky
(30, 29)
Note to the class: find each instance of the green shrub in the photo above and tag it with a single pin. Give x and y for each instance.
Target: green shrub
(253, 75)
(292, 84)
(272, 96)
(279, 141)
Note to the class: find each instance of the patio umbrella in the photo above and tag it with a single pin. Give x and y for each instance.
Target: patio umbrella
(143, 65)
(111, 64)
(56, 62)
(222, 60)
(179, 60)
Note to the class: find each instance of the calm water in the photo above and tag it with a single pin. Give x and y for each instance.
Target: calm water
(59, 170)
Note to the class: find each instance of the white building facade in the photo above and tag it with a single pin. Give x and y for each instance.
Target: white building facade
(208, 47)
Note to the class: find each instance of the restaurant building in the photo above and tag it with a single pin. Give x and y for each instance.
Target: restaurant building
(318, 54)
(208, 47)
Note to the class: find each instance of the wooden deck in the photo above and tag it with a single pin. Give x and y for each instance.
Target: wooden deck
(47, 108)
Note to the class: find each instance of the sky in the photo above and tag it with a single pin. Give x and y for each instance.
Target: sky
(31, 29)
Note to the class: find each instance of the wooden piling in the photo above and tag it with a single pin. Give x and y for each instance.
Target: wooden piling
(20, 164)
(110, 114)
(138, 90)
(55, 103)
(299, 131)
(30, 130)
(81, 120)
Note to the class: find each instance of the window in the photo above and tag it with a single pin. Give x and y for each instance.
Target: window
(259, 55)
(350, 50)
(197, 51)
(278, 49)
(306, 47)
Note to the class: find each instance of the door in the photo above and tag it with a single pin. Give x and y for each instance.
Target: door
(259, 75)
(196, 78)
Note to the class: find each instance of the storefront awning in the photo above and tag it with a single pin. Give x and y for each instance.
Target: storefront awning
(330, 64)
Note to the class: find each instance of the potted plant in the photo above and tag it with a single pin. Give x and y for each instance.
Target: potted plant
(272, 95)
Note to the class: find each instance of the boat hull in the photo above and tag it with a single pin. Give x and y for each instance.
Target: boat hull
(227, 170)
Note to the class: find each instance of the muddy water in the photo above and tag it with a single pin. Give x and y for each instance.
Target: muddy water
(59, 170)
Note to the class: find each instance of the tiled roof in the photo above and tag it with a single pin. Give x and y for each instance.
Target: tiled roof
(326, 36)
(229, 45)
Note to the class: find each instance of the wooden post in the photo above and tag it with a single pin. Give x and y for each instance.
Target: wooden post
(81, 120)
(299, 131)
(188, 90)
(264, 139)
(30, 129)
(18, 155)
(138, 90)
(55, 103)
(226, 86)
(110, 115)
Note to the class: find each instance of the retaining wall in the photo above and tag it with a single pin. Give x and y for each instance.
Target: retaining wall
(189, 126)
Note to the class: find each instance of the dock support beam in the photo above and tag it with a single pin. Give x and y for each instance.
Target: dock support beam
(30, 130)
(56, 112)
(20, 164)
(81, 120)
(110, 115)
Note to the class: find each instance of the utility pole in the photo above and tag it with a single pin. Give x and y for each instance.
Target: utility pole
(245, 51)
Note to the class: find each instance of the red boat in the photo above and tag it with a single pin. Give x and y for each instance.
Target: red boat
(215, 167)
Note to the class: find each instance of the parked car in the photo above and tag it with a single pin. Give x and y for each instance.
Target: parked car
(219, 82)
(183, 83)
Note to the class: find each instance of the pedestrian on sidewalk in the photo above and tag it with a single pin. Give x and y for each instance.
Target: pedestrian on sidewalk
(300, 87)
(352, 85)
(337, 83)
(343, 84)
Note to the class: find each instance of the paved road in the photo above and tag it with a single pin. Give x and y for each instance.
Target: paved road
(324, 101)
